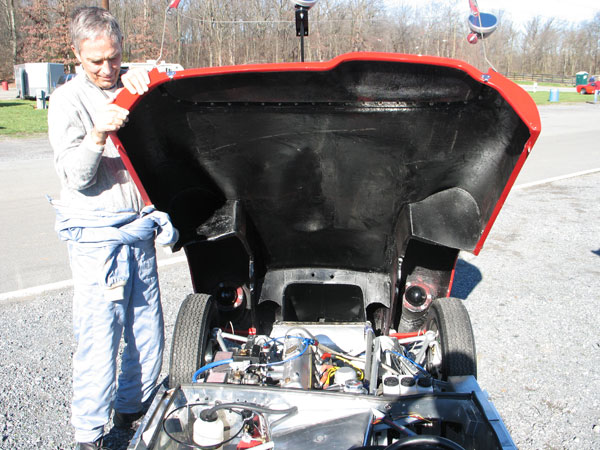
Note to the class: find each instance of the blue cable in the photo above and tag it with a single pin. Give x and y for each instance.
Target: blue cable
(305, 341)
(306, 344)
(410, 361)
(210, 366)
(288, 337)
(214, 364)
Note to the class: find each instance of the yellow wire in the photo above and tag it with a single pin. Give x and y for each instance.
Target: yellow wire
(361, 374)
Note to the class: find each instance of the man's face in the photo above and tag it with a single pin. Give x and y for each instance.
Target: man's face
(101, 60)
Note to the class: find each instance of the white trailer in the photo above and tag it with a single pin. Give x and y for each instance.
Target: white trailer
(151, 64)
(32, 78)
(148, 65)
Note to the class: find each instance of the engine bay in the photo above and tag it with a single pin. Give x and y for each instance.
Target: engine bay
(323, 385)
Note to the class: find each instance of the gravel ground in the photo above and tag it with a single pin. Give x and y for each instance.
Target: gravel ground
(539, 275)
(531, 293)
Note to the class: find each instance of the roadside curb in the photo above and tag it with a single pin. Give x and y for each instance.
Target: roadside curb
(553, 179)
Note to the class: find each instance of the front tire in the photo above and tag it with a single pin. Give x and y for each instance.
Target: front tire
(192, 345)
(455, 341)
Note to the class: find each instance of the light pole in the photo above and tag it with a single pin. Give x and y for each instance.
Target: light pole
(302, 7)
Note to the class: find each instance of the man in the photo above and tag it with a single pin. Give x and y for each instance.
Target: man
(110, 235)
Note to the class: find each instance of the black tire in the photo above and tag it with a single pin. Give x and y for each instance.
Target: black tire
(583, 91)
(450, 318)
(192, 344)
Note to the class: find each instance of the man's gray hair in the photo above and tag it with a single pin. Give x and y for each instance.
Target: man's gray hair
(91, 22)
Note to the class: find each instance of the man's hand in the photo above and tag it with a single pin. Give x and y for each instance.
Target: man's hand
(112, 117)
(109, 117)
(136, 80)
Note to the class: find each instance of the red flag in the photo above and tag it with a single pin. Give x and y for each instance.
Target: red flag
(174, 4)
(474, 7)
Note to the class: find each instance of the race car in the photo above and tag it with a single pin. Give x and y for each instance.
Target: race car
(322, 208)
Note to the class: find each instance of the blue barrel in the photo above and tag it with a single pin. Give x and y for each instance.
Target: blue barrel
(553, 95)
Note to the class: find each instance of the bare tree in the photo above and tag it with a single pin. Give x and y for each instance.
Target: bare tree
(8, 32)
(216, 32)
(590, 44)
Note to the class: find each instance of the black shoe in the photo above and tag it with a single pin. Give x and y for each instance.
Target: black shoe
(126, 420)
(96, 445)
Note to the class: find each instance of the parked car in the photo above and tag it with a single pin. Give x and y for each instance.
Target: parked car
(593, 85)
(64, 78)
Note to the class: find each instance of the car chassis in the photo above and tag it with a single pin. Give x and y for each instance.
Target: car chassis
(322, 207)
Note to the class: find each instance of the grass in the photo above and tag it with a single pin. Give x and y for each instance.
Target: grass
(530, 83)
(20, 118)
(541, 98)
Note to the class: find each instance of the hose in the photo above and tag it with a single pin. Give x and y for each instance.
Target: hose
(208, 367)
(207, 413)
(307, 342)
(301, 329)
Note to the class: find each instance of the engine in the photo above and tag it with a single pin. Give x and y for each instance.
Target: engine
(337, 357)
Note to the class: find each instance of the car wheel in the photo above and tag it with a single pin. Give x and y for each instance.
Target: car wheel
(453, 351)
(192, 345)
(583, 91)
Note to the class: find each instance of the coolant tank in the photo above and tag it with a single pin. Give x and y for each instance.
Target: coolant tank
(209, 434)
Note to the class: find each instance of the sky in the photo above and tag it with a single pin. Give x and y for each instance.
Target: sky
(519, 11)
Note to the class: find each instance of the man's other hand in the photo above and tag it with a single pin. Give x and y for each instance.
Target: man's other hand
(136, 80)
(109, 117)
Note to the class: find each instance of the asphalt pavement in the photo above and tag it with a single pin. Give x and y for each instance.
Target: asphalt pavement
(9, 94)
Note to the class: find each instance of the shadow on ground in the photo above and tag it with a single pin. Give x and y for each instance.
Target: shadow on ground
(466, 278)
(118, 438)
